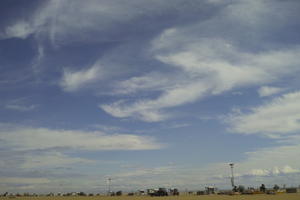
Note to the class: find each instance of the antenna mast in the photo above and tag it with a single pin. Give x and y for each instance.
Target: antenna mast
(109, 185)
(232, 177)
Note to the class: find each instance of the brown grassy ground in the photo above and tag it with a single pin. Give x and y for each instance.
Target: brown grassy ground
(182, 197)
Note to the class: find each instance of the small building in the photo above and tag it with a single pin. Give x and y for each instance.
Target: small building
(291, 190)
(200, 193)
(210, 190)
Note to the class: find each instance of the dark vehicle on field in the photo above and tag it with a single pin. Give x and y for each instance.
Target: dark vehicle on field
(174, 192)
(158, 193)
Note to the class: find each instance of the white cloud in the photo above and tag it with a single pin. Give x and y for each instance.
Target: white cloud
(213, 56)
(66, 21)
(209, 67)
(140, 111)
(23, 162)
(145, 172)
(23, 180)
(21, 30)
(274, 119)
(38, 59)
(271, 161)
(287, 170)
(150, 110)
(16, 184)
(99, 75)
(265, 165)
(50, 160)
(268, 91)
(274, 171)
(225, 65)
(259, 172)
(20, 104)
(272, 165)
(24, 138)
(196, 50)
(151, 81)
(31, 152)
(107, 128)
(73, 80)
(20, 107)
(177, 125)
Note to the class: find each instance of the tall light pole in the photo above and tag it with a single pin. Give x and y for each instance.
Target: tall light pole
(109, 182)
(232, 177)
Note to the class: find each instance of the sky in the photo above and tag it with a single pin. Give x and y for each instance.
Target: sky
(149, 93)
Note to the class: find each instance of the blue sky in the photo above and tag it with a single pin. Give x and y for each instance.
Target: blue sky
(149, 93)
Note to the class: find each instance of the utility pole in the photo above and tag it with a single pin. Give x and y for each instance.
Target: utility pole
(232, 177)
(109, 185)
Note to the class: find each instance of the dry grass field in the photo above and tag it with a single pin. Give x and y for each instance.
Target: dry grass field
(182, 197)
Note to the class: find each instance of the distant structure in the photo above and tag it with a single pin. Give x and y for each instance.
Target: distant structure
(109, 185)
(232, 177)
(210, 190)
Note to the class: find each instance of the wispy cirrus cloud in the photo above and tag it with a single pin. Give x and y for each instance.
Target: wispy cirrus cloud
(144, 172)
(150, 82)
(20, 107)
(151, 110)
(209, 67)
(265, 91)
(22, 180)
(62, 23)
(27, 138)
(21, 30)
(51, 159)
(205, 52)
(277, 119)
(207, 58)
(41, 155)
(20, 104)
(74, 80)
(274, 119)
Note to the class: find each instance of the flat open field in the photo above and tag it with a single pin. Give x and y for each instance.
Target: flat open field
(183, 197)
